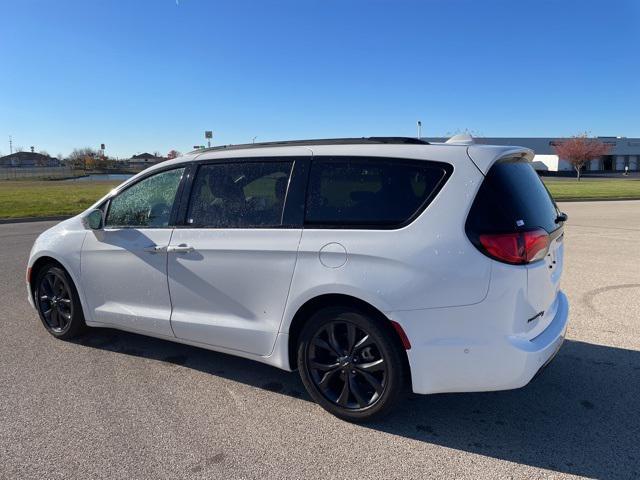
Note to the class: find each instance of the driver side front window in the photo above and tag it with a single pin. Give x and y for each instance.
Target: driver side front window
(146, 204)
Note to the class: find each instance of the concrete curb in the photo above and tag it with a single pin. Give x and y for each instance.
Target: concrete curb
(33, 219)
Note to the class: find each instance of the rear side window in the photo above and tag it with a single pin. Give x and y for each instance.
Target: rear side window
(512, 197)
(359, 192)
(239, 195)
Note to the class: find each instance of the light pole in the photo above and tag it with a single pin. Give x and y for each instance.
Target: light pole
(253, 140)
(419, 126)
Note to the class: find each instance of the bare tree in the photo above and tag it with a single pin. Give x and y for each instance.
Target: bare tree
(82, 157)
(173, 154)
(579, 150)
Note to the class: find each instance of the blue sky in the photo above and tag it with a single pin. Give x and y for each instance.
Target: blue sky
(154, 74)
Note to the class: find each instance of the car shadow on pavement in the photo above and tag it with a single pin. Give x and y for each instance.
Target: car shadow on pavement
(580, 416)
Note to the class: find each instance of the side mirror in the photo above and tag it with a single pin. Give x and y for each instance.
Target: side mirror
(93, 220)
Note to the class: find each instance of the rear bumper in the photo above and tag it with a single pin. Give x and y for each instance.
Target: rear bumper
(459, 361)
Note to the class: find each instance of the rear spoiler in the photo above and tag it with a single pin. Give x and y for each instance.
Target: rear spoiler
(484, 156)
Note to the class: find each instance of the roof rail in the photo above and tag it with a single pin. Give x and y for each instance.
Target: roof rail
(321, 141)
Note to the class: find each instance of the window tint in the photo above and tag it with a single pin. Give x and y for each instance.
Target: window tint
(367, 191)
(512, 197)
(239, 195)
(147, 203)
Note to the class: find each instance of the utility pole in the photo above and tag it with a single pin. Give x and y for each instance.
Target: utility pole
(419, 125)
(10, 144)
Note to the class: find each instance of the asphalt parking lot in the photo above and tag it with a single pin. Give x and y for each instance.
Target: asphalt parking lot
(118, 405)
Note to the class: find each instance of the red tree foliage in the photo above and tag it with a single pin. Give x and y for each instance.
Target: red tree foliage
(579, 150)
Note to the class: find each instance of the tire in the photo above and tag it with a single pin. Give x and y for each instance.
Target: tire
(351, 364)
(57, 302)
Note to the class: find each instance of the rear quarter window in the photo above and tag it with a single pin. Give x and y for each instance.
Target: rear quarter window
(369, 192)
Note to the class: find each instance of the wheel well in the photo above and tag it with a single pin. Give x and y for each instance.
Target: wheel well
(332, 300)
(37, 266)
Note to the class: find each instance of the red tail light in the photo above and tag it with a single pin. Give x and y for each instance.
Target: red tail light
(518, 247)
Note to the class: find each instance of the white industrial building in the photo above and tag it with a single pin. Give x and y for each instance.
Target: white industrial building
(625, 152)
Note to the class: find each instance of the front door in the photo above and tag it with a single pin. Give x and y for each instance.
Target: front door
(124, 265)
(230, 266)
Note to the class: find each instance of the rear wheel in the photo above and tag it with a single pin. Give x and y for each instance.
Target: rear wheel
(57, 302)
(350, 364)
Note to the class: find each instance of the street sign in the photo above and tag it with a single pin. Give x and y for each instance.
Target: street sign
(208, 134)
(198, 147)
(102, 146)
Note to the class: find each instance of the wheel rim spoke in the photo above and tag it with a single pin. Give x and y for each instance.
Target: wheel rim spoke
(351, 337)
(57, 286)
(375, 366)
(365, 341)
(324, 366)
(66, 318)
(333, 341)
(54, 318)
(324, 345)
(371, 380)
(324, 383)
(48, 286)
(64, 308)
(357, 393)
(343, 399)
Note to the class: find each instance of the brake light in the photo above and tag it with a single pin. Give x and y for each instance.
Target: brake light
(518, 247)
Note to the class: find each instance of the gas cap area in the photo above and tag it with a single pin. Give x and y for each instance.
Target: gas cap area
(333, 255)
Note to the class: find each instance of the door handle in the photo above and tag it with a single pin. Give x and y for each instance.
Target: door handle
(155, 249)
(182, 248)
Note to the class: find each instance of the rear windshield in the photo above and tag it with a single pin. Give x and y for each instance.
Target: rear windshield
(512, 197)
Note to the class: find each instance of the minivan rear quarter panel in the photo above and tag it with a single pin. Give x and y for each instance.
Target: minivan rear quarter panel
(436, 266)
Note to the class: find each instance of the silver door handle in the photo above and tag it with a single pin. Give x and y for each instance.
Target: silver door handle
(156, 249)
(182, 248)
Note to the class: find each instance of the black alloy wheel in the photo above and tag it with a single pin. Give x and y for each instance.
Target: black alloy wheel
(346, 365)
(57, 303)
(350, 364)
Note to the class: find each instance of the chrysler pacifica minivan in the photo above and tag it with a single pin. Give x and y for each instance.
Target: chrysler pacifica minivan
(372, 266)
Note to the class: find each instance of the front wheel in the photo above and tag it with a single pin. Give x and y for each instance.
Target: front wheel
(350, 364)
(57, 302)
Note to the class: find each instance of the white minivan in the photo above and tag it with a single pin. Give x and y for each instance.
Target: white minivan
(371, 265)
